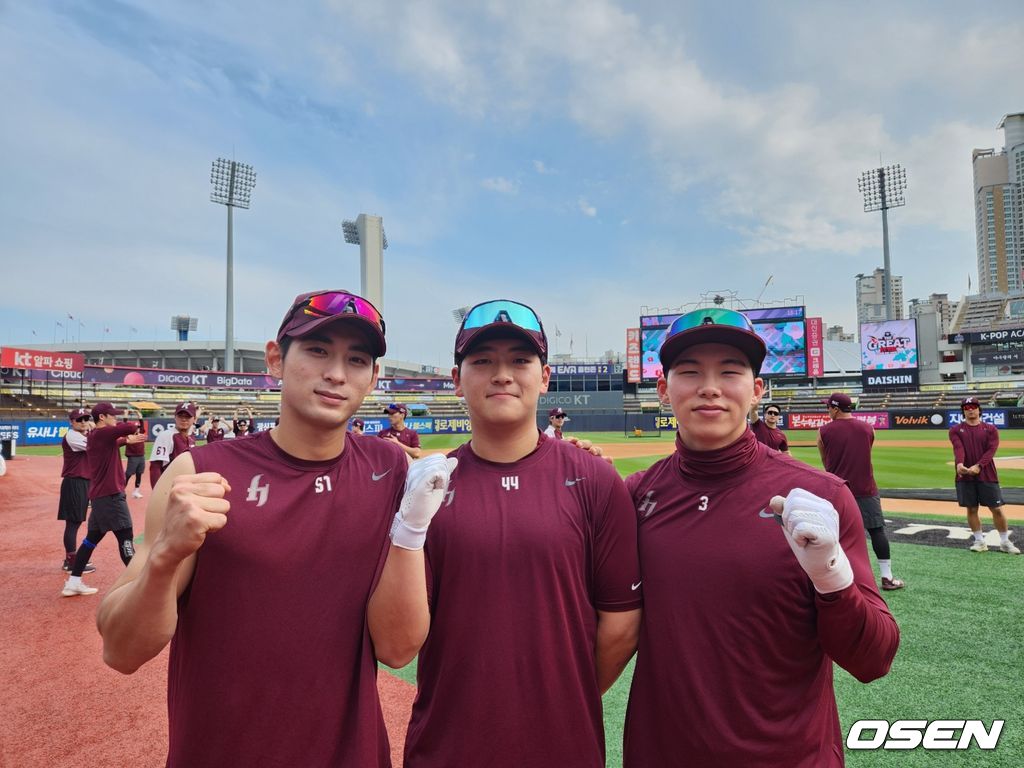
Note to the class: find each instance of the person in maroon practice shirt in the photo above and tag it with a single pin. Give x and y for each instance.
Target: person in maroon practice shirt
(767, 430)
(405, 438)
(135, 453)
(974, 449)
(534, 583)
(748, 597)
(214, 431)
(170, 444)
(74, 484)
(268, 561)
(106, 493)
(845, 449)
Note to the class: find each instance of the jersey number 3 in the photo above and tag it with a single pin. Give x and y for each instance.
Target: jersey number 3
(703, 504)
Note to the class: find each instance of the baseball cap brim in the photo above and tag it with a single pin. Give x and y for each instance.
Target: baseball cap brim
(377, 344)
(470, 338)
(750, 344)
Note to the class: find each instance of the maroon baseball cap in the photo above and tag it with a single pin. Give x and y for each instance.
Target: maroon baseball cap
(557, 412)
(105, 409)
(311, 311)
(357, 423)
(397, 408)
(500, 317)
(712, 325)
(77, 414)
(841, 401)
(189, 408)
(971, 402)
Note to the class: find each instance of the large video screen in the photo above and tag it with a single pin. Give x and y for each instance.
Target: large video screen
(782, 329)
(889, 345)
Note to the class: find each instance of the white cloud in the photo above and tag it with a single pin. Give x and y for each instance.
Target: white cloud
(501, 185)
(586, 208)
(540, 167)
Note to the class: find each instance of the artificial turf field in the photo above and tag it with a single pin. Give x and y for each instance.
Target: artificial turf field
(962, 651)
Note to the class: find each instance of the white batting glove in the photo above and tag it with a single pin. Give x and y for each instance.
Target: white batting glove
(811, 526)
(425, 487)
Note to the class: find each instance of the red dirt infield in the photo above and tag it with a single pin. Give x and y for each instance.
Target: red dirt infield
(62, 707)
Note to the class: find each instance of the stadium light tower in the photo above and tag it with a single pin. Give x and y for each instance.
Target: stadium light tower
(368, 233)
(883, 189)
(232, 187)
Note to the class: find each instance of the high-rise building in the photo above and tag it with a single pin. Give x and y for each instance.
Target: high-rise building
(871, 302)
(999, 210)
(838, 333)
(939, 305)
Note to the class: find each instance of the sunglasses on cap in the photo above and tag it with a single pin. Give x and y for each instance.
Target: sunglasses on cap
(711, 316)
(309, 311)
(332, 303)
(501, 312)
(713, 325)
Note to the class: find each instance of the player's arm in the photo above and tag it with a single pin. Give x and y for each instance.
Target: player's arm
(398, 614)
(137, 618)
(76, 441)
(821, 451)
(412, 451)
(992, 445)
(755, 416)
(959, 453)
(855, 627)
(784, 446)
(617, 636)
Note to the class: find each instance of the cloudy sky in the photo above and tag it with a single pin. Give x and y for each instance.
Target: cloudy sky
(590, 158)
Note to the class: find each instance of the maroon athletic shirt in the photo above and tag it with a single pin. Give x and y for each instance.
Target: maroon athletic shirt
(975, 445)
(181, 444)
(848, 454)
(520, 558)
(409, 437)
(106, 470)
(772, 437)
(76, 463)
(213, 435)
(735, 660)
(271, 662)
(136, 449)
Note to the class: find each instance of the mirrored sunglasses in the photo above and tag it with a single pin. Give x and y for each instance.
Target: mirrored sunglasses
(711, 316)
(332, 303)
(80, 419)
(502, 311)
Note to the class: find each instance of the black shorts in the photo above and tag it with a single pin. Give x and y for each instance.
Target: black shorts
(74, 499)
(135, 466)
(110, 513)
(979, 495)
(871, 512)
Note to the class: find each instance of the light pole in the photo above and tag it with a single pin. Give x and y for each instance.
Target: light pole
(883, 189)
(367, 231)
(232, 187)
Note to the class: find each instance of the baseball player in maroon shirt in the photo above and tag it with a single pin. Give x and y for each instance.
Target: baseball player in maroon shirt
(749, 597)
(399, 434)
(534, 582)
(845, 449)
(214, 431)
(170, 444)
(268, 561)
(767, 430)
(974, 449)
(74, 484)
(356, 426)
(106, 493)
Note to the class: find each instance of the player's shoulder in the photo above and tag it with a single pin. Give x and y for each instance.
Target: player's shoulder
(661, 471)
(374, 448)
(581, 460)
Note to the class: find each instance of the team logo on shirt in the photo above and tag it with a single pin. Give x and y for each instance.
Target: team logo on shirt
(646, 507)
(257, 492)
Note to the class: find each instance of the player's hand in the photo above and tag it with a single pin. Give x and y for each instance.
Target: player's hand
(136, 438)
(975, 470)
(811, 526)
(195, 507)
(589, 447)
(425, 487)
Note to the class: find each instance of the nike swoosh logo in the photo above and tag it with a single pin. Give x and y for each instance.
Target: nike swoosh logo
(569, 483)
(636, 586)
(377, 477)
(770, 515)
